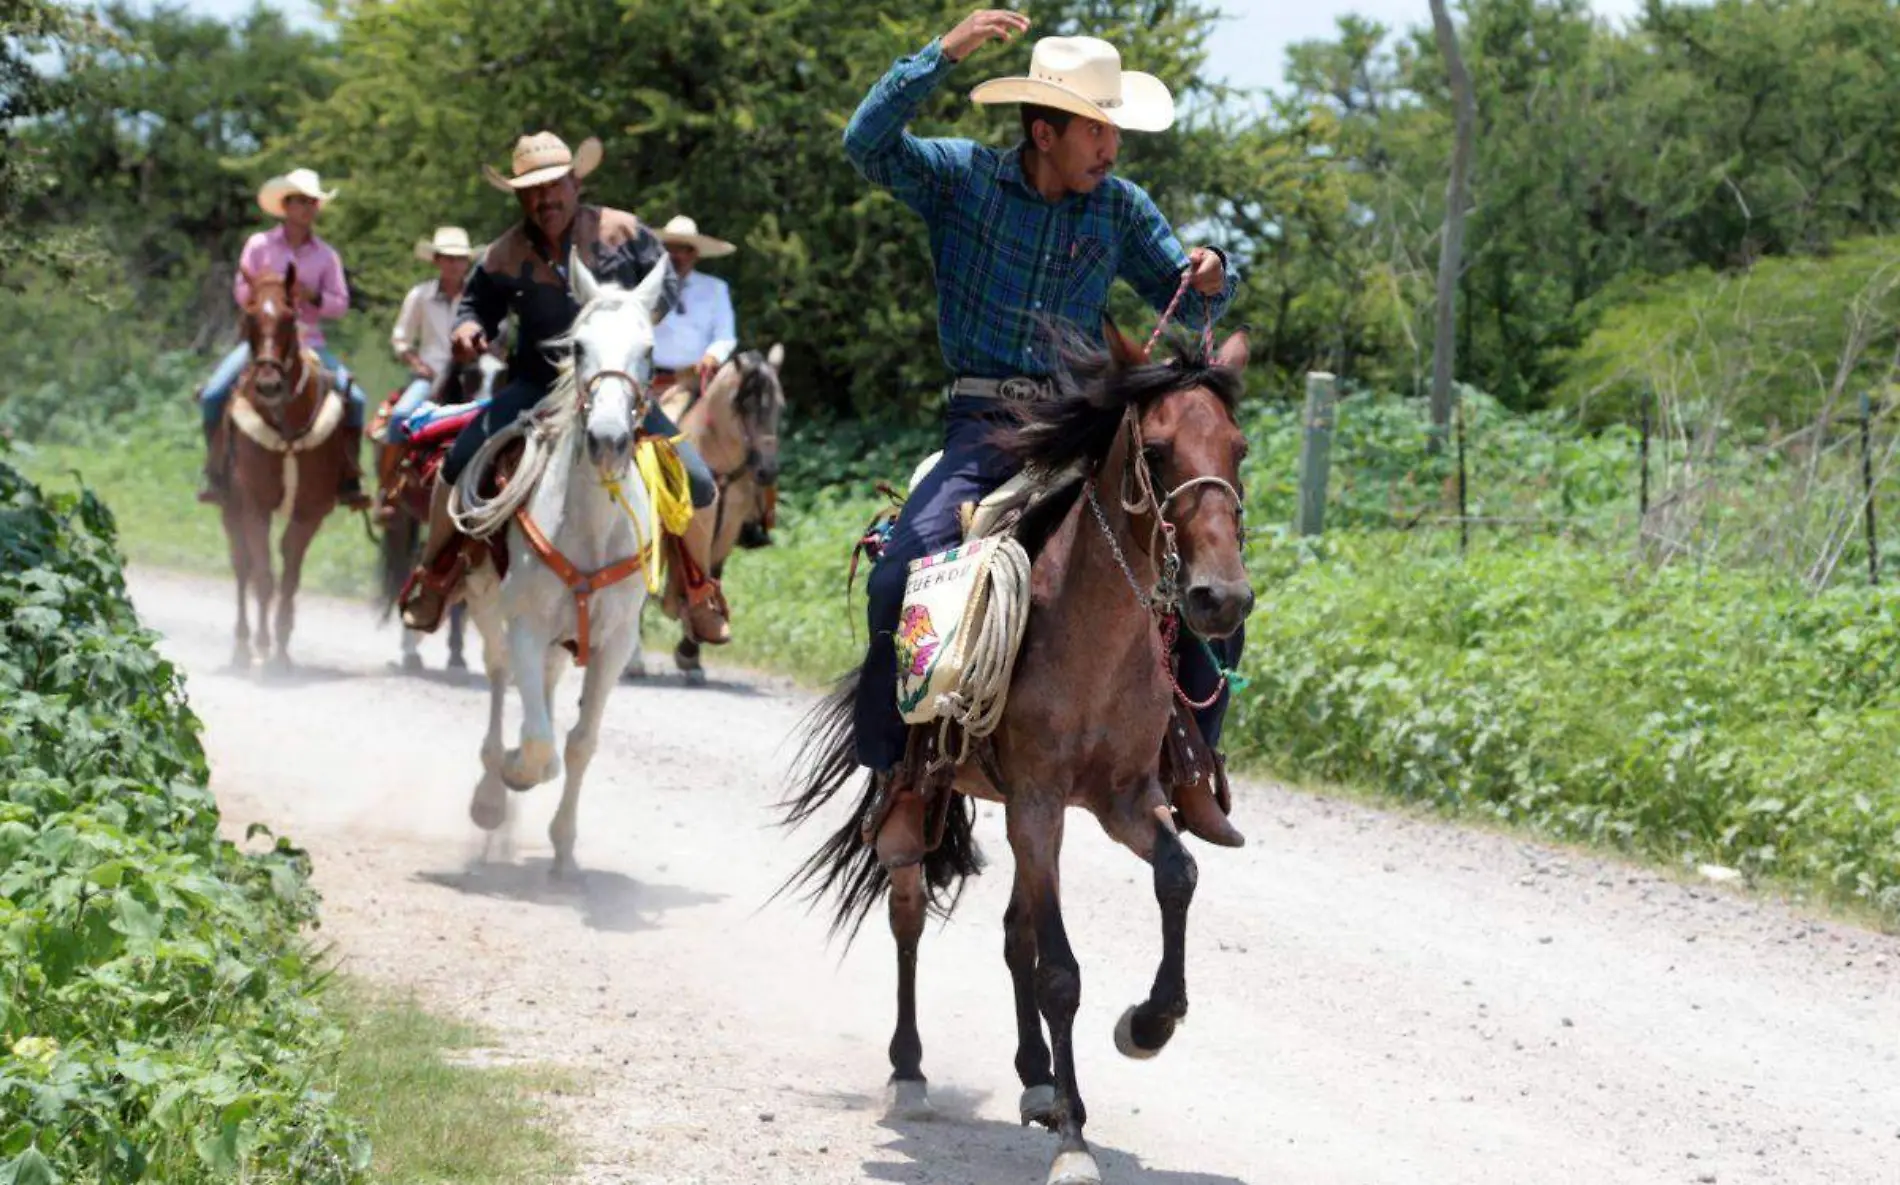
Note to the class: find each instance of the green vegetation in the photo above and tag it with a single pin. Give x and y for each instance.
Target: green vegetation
(431, 1119)
(158, 1009)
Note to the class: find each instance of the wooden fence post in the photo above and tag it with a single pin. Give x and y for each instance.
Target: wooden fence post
(1867, 486)
(1316, 449)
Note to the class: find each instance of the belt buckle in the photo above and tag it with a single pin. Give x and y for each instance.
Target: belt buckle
(1019, 389)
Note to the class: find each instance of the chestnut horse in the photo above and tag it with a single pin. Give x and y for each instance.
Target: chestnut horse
(1151, 528)
(281, 437)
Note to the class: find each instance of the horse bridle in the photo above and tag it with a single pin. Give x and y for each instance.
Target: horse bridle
(1162, 549)
(641, 396)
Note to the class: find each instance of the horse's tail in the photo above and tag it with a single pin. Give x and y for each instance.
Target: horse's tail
(845, 867)
(397, 553)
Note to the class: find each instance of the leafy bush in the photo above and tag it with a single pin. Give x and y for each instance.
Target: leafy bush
(158, 1015)
(1770, 345)
(1676, 712)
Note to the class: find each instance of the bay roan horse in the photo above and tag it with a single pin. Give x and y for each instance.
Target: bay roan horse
(592, 511)
(1088, 707)
(734, 424)
(281, 438)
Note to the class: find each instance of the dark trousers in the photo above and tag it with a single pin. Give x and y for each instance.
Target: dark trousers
(514, 400)
(969, 469)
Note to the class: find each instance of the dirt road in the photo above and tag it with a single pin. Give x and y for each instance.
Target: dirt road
(1375, 999)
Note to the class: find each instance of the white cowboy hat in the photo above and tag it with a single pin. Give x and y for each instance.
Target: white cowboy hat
(683, 230)
(544, 157)
(297, 182)
(448, 240)
(1084, 76)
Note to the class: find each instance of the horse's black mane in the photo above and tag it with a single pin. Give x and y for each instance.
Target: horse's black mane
(755, 381)
(1094, 393)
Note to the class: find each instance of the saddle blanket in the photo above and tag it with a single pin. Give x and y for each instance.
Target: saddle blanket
(433, 421)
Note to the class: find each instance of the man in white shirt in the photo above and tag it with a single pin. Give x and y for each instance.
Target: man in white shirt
(699, 334)
(421, 335)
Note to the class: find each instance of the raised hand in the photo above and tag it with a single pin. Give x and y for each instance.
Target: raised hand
(983, 25)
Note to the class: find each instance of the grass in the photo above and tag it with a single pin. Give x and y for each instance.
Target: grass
(149, 476)
(430, 1120)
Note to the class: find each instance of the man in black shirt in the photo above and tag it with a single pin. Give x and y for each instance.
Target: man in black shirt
(524, 272)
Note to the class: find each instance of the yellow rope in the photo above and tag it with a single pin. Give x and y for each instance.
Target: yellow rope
(669, 501)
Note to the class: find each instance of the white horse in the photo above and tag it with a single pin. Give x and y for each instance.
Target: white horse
(586, 502)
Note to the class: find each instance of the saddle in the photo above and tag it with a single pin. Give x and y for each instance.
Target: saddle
(1028, 508)
(408, 475)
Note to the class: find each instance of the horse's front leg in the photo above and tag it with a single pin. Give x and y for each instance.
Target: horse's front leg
(295, 545)
(1035, 836)
(1145, 1028)
(1038, 1104)
(241, 569)
(535, 761)
(489, 805)
(257, 541)
(597, 683)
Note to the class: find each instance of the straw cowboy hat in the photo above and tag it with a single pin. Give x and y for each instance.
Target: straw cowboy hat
(1084, 76)
(448, 240)
(296, 183)
(684, 231)
(544, 157)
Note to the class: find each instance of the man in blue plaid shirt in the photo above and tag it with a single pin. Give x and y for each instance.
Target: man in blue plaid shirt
(1019, 237)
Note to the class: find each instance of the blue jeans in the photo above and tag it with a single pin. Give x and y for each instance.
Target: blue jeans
(412, 397)
(969, 470)
(225, 377)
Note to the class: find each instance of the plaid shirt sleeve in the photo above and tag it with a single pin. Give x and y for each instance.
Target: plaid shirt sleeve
(1152, 261)
(914, 169)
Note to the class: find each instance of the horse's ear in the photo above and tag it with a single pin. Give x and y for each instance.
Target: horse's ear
(1120, 348)
(775, 357)
(1232, 354)
(580, 281)
(651, 289)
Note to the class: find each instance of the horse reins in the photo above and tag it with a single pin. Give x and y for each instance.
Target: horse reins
(1164, 601)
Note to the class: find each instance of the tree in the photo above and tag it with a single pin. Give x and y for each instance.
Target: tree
(732, 111)
(32, 33)
(1444, 342)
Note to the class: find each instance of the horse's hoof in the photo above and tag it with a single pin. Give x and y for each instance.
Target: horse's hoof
(488, 811)
(636, 672)
(412, 662)
(280, 664)
(1126, 1044)
(1039, 1106)
(240, 660)
(456, 663)
(1075, 1168)
(695, 676)
(522, 772)
(909, 1098)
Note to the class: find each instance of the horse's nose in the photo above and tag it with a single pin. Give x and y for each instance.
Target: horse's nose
(1216, 608)
(768, 473)
(608, 447)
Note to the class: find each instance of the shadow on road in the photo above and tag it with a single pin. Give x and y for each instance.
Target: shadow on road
(607, 901)
(956, 1144)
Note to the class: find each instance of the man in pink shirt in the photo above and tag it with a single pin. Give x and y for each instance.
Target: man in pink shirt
(322, 294)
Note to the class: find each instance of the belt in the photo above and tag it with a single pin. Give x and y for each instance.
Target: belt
(1015, 389)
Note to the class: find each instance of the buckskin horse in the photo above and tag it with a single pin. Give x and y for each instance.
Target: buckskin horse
(734, 423)
(1155, 510)
(557, 557)
(280, 437)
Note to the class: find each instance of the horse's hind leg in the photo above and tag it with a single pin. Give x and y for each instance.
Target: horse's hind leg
(458, 616)
(1035, 836)
(597, 683)
(296, 545)
(1032, 1052)
(489, 805)
(910, 1097)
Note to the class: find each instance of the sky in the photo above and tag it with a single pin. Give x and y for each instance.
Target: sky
(1247, 49)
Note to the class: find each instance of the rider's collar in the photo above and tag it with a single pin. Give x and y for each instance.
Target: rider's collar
(1011, 171)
